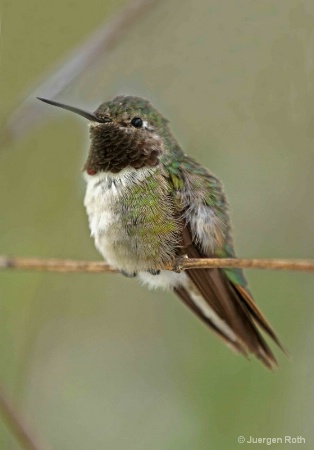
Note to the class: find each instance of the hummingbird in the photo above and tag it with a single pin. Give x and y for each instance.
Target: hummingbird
(149, 203)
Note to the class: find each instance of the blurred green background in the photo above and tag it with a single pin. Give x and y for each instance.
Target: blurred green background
(96, 361)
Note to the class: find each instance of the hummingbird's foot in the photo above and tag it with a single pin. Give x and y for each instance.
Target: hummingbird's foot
(128, 274)
(154, 271)
(178, 266)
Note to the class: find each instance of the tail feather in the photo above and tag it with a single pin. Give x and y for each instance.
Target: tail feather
(234, 313)
(189, 302)
(233, 306)
(258, 315)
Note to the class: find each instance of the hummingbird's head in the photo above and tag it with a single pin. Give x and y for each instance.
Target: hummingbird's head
(125, 132)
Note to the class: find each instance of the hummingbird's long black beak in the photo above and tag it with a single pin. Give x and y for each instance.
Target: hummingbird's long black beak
(80, 112)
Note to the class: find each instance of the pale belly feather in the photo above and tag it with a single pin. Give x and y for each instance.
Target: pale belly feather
(126, 246)
(103, 205)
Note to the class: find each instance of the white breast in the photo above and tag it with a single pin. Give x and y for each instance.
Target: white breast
(104, 199)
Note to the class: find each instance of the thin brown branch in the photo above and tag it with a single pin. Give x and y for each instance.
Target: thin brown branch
(86, 57)
(53, 265)
(72, 266)
(16, 424)
(301, 265)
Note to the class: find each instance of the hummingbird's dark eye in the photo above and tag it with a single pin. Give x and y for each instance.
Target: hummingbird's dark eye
(137, 122)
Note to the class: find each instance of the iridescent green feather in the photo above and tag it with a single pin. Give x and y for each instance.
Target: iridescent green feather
(203, 183)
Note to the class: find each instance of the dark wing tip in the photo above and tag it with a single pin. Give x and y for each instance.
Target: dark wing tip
(258, 316)
(232, 303)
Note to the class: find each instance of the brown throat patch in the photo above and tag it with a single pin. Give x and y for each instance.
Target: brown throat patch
(114, 148)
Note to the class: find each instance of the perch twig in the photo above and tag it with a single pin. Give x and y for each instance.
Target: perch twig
(74, 266)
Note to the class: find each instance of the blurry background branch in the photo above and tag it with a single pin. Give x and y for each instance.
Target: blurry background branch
(72, 266)
(29, 115)
(16, 424)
